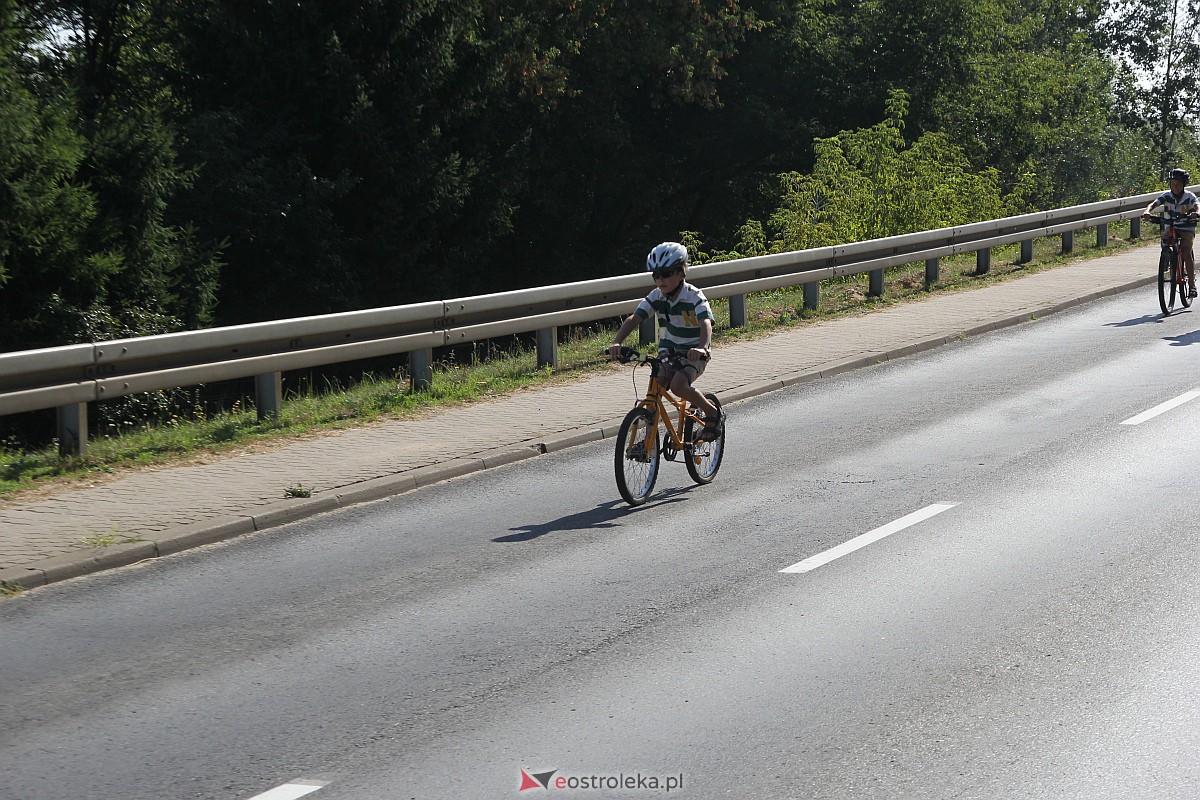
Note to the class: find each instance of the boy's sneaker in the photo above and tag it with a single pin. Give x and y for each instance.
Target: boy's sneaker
(713, 426)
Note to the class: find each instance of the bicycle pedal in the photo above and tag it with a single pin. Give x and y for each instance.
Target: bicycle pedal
(638, 453)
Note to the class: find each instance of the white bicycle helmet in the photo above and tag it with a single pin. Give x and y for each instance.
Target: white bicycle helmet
(667, 255)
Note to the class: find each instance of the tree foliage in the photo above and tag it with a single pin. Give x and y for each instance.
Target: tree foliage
(44, 212)
(176, 164)
(870, 183)
(93, 143)
(1158, 45)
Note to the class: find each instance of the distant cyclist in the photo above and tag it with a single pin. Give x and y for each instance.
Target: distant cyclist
(685, 321)
(1179, 202)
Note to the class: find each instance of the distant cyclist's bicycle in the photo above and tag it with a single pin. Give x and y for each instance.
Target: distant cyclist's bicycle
(662, 425)
(1172, 278)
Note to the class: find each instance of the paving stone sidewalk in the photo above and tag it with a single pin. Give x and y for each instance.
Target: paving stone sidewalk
(161, 511)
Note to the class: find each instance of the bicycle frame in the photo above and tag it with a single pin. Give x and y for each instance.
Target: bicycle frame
(642, 445)
(657, 398)
(1173, 284)
(1171, 242)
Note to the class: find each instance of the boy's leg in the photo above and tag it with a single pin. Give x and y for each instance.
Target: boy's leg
(681, 386)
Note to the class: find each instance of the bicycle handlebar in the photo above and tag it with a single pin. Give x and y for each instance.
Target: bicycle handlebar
(1159, 219)
(628, 354)
(631, 354)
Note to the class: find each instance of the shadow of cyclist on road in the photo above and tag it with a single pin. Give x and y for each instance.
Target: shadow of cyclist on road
(1184, 340)
(1129, 323)
(605, 515)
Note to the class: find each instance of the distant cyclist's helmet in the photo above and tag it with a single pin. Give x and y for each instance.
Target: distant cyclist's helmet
(1181, 174)
(666, 256)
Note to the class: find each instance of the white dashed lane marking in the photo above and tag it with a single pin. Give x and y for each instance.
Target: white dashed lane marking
(1161, 408)
(868, 538)
(290, 791)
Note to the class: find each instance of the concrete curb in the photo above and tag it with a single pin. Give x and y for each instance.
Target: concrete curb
(180, 538)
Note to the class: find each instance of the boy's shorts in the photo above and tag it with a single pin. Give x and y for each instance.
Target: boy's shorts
(1187, 237)
(692, 369)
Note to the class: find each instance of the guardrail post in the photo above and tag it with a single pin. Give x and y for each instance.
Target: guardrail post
(983, 261)
(268, 395)
(1135, 228)
(1102, 234)
(72, 429)
(933, 270)
(547, 347)
(420, 365)
(737, 311)
(1026, 252)
(875, 283)
(648, 332)
(812, 295)
(1068, 242)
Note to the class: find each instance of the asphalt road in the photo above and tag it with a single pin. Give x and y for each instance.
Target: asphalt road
(1033, 634)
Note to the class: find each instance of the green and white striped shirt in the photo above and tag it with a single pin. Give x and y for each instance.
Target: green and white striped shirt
(678, 319)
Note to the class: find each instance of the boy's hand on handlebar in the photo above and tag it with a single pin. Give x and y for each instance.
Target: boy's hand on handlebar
(622, 353)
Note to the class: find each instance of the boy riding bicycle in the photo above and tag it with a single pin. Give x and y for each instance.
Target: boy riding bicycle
(1179, 202)
(685, 322)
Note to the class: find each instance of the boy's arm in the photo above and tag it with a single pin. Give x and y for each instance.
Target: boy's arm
(631, 322)
(703, 348)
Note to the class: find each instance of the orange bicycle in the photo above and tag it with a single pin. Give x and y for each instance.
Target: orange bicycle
(1172, 278)
(662, 425)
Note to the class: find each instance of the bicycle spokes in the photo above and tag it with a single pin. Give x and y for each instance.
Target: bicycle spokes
(637, 456)
(1168, 279)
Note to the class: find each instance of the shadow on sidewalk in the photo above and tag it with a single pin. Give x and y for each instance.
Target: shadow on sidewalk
(604, 515)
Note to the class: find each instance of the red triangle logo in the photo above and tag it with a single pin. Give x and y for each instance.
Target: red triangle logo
(528, 783)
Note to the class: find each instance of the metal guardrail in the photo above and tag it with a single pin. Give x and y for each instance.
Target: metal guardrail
(68, 378)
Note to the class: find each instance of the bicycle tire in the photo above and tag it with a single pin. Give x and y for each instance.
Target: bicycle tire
(637, 457)
(1181, 281)
(1166, 282)
(703, 458)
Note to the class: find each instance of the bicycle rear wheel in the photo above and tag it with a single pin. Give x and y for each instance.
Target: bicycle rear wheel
(637, 457)
(1166, 281)
(1181, 282)
(703, 458)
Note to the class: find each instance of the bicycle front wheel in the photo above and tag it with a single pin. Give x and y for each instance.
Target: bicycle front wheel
(1166, 281)
(703, 458)
(637, 457)
(1181, 282)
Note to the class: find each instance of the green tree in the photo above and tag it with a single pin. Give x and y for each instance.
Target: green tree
(633, 142)
(870, 183)
(1036, 103)
(103, 61)
(1158, 46)
(44, 211)
(358, 154)
(349, 154)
